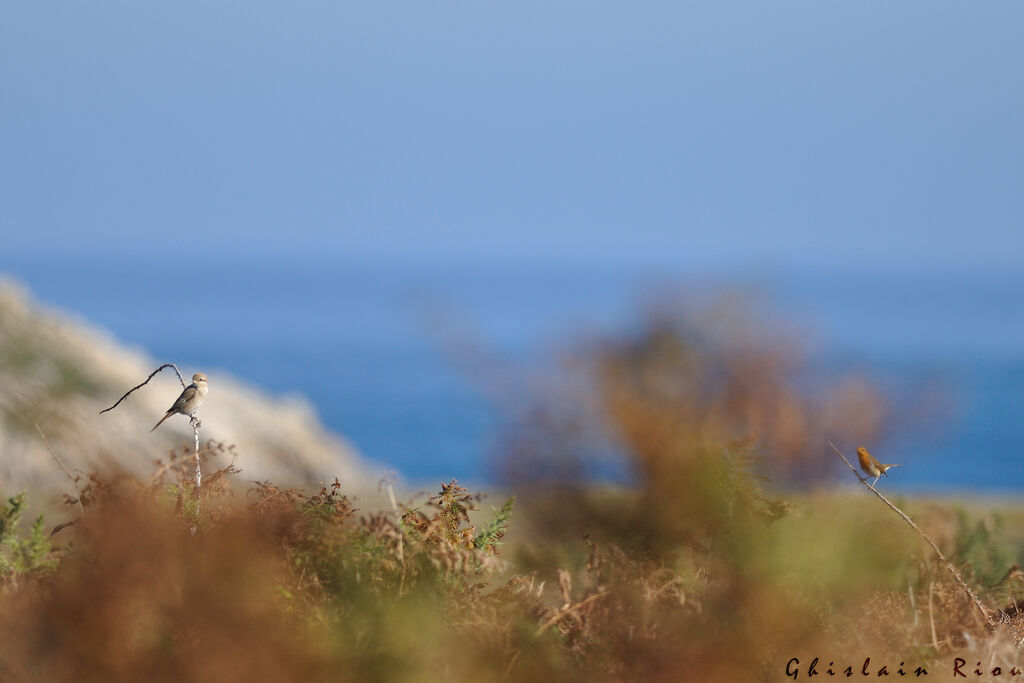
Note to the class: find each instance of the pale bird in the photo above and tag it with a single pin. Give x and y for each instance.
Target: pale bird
(189, 401)
(871, 466)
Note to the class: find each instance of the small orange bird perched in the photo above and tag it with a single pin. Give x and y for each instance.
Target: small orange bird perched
(871, 466)
(190, 399)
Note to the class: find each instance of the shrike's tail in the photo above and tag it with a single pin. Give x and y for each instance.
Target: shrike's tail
(169, 413)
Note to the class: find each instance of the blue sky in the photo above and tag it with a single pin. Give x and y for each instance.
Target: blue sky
(693, 135)
(711, 141)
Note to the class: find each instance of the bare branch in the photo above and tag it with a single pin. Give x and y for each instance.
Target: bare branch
(196, 424)
(197, 477)
(160, 472)
(73, 478)
(949, 566)
(399, 524)
(165, 365)
(931, 616)
(569, 609)
(54, 455)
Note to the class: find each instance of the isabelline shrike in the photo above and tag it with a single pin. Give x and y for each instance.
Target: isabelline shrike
(191, 398)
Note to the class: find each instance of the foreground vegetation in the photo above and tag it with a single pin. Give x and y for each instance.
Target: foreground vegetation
(147, 582)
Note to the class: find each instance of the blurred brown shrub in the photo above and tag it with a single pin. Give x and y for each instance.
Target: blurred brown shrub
(688, 381)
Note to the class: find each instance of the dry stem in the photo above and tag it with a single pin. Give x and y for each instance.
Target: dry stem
(931, 616)
(165, 365)
(400, 525)
(569, 609)
(949, 566)
(198, 477)
(74, 480)
(159, 473)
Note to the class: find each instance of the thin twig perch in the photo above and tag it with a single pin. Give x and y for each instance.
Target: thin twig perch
(165, 365)
(198, 478)
(949, 566)
(196, 423)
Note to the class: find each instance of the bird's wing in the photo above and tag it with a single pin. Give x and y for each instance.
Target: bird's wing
(186, 396)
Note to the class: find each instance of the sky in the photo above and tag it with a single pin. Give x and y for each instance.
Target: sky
(320, 165)
(710, 135)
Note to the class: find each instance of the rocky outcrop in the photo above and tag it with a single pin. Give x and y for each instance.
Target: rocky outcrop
(57, 374)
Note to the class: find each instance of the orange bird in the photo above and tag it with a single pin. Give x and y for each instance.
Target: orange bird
(871, 466)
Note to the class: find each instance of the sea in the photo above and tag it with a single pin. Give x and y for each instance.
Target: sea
(414, 363)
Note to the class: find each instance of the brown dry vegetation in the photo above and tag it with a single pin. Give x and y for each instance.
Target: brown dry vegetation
(701, 570)
(691, 381)
(286, 585)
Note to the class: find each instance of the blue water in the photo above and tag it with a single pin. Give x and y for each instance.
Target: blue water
(414, 363)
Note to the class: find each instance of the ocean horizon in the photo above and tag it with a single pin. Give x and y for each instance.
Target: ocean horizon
(375, 347)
